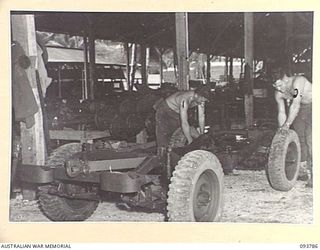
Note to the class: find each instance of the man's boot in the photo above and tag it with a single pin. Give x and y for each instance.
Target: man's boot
(310, 181)
(303, 171)
(162, 154)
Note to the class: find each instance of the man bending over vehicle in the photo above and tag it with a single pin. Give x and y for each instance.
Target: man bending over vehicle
(172, 113)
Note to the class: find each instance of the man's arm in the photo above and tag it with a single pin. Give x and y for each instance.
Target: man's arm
(184, 120)
(281, 109)
(201, 117)
(298, 85)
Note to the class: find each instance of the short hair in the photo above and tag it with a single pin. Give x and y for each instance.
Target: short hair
(204, 91)
(279, 70)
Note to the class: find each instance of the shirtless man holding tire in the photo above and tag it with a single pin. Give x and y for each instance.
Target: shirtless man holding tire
(295, 92)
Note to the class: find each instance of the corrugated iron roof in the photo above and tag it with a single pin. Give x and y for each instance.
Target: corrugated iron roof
(220, 33)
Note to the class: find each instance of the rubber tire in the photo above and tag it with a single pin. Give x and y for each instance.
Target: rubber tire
(183, 184)
(59, 208)
(276, 167)
(178, 139)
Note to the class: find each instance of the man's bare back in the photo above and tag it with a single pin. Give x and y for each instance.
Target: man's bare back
(306, 91)
(174, 101)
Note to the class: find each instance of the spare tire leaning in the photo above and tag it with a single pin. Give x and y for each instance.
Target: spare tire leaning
(284, 160)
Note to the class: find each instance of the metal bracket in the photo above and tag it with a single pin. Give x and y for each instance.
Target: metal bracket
(35, 174)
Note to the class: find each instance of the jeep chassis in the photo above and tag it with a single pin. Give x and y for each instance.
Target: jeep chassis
(185, 183)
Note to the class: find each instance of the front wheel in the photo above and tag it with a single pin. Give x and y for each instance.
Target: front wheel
(196, 188)
(59, 208)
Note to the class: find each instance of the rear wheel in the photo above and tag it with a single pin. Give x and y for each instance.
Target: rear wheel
(196, 188)
(58, 208)
(284, 160)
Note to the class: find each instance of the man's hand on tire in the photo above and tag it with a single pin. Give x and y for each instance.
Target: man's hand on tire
(285, 127)
(190, 140)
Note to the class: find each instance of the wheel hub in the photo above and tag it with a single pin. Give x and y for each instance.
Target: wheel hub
(204, 201)
(291, 163)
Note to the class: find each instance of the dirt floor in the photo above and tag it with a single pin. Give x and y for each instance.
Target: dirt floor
(248, 198)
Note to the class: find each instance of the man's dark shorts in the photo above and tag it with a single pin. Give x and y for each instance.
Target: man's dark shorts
(303, 126)
(167, 121)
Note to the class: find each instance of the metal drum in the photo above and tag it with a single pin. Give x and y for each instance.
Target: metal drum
(105, 116)
(128, 106)
(145, 103)
(150, 124)
(126, 126)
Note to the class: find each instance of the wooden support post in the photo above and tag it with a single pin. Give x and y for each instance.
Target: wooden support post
(143, 64)
(175, 65)
(248, 51)
(200, 67)
(231, 69)
(161, 66)
(59, 82)
(226, 59)
(32, 139)
(85, 67)
(160, 52)
(133, 66)
(241, 67)
(147, 61)
(82, 84)
(289, 33)
(208, 67)
(182, 50)
(92, 59)
(127, 47)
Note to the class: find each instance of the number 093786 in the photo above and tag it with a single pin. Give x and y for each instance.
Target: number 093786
(309, 246)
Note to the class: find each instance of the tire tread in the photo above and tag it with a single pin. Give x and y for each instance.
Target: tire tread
(182, 184)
